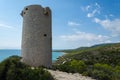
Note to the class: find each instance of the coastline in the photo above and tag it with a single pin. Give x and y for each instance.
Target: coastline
(10, 52)
(65, 53)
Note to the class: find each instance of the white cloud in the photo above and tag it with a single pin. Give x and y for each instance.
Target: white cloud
(71, 23)
(78, 36)
(92, 9)
(92, 14)
(86, 8)
(6, 26)
(111, 15)
(111, 25)
(97, 5)
(79, 39)
(89, 15)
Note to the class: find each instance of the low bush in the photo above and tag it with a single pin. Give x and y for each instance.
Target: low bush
(116, 73)
(77, 66)
(102, 71)
(13, 69)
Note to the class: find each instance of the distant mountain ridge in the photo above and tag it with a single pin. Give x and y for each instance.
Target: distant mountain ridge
(85, 47)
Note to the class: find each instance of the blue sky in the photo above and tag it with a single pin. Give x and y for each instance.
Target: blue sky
(75, 23)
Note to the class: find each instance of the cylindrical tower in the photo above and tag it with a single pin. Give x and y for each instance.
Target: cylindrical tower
(36, 36)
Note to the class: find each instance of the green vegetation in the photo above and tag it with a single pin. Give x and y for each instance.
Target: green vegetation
(13, 69)
(101, 62)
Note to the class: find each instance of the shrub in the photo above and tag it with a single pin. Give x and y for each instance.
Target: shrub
(78, 66)
(116, 75)
(102, 71)
(13, 69)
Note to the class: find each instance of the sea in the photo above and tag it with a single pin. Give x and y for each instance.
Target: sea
(7, 53)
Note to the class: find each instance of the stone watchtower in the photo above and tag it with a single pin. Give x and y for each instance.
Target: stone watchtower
(36, 36)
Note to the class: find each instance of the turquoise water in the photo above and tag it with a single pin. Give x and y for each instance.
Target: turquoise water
(6, 53)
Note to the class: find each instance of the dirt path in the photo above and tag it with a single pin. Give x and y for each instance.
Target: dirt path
(59, 75)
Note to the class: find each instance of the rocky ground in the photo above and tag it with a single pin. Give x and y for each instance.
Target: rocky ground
(59, 75)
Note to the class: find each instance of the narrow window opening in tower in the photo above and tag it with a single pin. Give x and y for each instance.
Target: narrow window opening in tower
(23, 12)
(26, 9)
(45, 35)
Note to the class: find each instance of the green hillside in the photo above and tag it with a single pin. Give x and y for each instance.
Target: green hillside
(101, 62)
